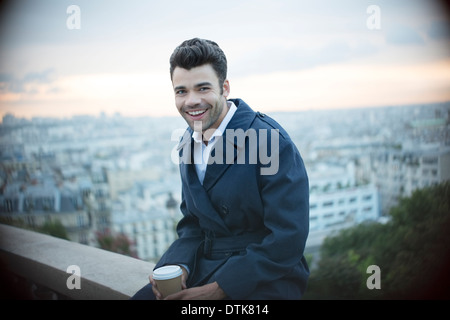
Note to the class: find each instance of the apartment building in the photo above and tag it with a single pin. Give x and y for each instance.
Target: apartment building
(147, 215)
(337, 202)
(397, 173)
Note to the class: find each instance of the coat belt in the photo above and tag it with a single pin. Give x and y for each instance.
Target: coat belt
(230, 244)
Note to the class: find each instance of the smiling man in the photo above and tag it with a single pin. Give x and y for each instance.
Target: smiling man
(201, 97)
(243, 231)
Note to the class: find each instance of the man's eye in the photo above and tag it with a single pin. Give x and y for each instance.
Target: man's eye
(204, 88)
(180, 92)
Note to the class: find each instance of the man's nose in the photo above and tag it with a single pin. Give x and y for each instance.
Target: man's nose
(193, 99)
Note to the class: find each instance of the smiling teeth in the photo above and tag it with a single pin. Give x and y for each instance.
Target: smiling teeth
(196, 113)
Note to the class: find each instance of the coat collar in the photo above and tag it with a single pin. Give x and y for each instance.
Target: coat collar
(242, 119)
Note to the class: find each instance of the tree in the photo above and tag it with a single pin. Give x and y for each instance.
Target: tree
(54, 228)
(118, 243)
(411, 251)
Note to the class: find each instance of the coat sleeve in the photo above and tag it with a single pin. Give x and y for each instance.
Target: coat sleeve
(285, 198)
(182, 251)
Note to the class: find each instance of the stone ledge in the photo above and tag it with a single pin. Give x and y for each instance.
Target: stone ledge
(44, 260)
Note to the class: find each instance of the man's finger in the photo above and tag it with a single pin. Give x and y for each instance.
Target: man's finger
(155, 288)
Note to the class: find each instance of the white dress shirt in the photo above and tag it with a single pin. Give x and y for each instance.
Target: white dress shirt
(201, 150)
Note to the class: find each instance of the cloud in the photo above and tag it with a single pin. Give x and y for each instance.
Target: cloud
(347, 85)
(273, 58)
(26, 84)
(439, 30)
(102, 64)
(400, 34)
(45, 76)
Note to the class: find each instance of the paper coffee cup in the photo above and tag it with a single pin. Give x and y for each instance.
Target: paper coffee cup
(168, 279)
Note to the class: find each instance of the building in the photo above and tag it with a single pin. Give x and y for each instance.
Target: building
(34, 196)
(140, 215)
(37, 203)
(397, 173)
(343, 207)
(337, 202)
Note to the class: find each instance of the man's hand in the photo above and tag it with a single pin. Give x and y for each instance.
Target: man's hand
(210, 291)
(158, 294)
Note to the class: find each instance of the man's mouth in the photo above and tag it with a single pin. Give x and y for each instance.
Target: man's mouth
(196, 113)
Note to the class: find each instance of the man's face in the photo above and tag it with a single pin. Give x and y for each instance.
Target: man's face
(199, 97)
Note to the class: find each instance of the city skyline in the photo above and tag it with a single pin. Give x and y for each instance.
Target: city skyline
(112, 56)
(359, 164)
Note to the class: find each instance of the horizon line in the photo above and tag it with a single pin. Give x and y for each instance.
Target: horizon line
(117, 113)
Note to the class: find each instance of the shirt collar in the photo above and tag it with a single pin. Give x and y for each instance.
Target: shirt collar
(197, 136)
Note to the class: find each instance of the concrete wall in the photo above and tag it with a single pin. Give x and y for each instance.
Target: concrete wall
(45, 260)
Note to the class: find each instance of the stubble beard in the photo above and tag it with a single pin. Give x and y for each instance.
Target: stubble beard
(214, 115)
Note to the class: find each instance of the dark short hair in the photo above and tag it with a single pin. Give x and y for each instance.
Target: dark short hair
(197, 52)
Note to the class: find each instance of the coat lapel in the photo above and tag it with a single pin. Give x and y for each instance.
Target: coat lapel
(195, 195)
(242, 119)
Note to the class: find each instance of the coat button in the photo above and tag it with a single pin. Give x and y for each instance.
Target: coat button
(262, 115)
(224, 210)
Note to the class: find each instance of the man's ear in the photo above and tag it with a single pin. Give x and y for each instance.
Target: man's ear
(226, 88)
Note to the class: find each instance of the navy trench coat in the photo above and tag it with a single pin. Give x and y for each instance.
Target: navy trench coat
(244, 228)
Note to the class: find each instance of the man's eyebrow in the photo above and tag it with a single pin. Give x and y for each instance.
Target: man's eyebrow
(179, 88)
(203, 84)
(198, 85)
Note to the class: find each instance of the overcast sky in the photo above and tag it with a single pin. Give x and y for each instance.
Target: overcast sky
(282, 55)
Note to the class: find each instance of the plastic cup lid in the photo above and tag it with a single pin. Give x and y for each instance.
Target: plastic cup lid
(167, 272)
